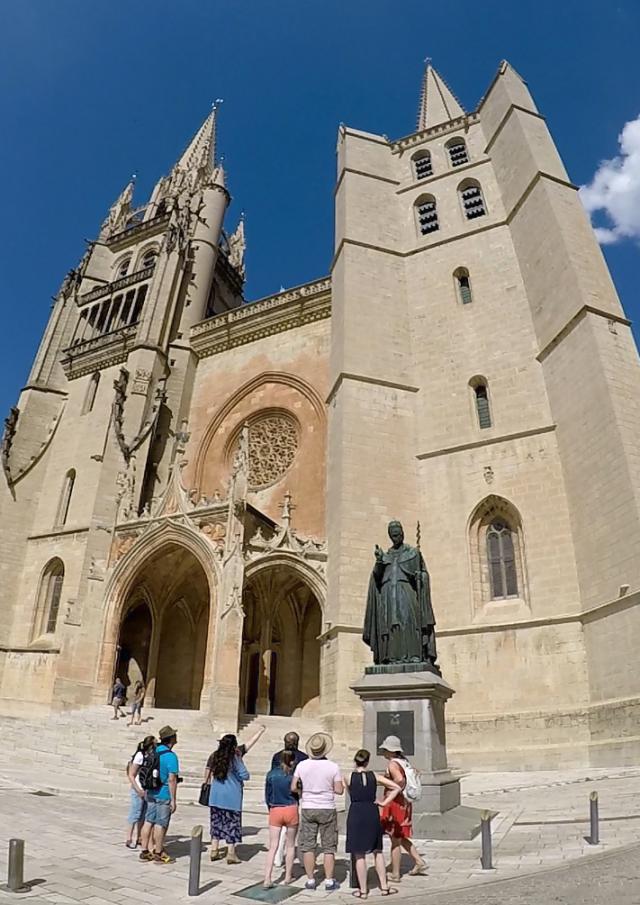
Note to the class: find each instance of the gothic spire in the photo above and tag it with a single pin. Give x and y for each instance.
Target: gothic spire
(119, 210)
(201, 150)
(437, 102)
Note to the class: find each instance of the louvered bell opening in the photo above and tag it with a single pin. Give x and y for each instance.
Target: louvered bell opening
(458, 155)
(424, 169)
(428, 218)
(465, 290)
(473, 203)
(482, 406)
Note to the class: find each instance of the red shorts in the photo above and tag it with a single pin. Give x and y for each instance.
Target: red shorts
(284, 816)
(396, 819)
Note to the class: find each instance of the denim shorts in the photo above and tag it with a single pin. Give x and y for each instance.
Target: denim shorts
(158, 812)
(136, 707)
(137, 808)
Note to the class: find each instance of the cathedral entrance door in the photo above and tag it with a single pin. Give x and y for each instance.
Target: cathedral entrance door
(169, 648)
(280, 646)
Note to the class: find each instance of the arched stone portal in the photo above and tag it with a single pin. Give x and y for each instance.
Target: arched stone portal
(163, 635)
(280, 669)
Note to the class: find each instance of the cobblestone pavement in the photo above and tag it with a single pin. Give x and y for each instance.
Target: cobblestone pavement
(74, 844)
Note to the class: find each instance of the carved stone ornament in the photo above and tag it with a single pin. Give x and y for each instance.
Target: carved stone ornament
(122, 544)
(286, 540)
(215, 532)
(488, 474)
(272, 446)
(120, 388)
(141, 382)
(10, 425)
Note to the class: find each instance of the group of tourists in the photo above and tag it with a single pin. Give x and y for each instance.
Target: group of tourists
(300, 794)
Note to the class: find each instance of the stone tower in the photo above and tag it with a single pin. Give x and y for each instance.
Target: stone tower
(485, 381)
(95, 431)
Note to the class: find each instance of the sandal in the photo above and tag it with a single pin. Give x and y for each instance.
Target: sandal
(358, 894)
(163, 858)
(389, 891)
(419, 870)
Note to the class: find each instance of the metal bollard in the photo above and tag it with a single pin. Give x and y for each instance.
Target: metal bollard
(15, 867)
(594, 833)
(486, 859)
(195, 853)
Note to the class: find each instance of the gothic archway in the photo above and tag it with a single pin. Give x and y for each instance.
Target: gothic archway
(280, 668)
(176, 590)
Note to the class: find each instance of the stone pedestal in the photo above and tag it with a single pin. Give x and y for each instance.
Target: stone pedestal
(409, 701)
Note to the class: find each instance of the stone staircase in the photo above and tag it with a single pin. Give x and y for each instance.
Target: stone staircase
(84, 752)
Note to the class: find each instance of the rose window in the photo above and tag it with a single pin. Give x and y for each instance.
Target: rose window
(273, 443)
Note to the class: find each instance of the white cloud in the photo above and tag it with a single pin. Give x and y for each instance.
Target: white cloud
(615, 189)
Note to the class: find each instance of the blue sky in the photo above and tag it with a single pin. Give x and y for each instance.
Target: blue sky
(91, 92)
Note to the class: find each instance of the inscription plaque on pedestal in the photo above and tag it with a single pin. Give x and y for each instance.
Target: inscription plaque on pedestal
(396, 722)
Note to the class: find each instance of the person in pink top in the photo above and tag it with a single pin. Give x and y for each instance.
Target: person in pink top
(319, 780)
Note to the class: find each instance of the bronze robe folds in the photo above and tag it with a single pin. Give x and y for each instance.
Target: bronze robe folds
(399, 621)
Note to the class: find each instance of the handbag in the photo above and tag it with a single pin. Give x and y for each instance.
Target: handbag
(205, 791)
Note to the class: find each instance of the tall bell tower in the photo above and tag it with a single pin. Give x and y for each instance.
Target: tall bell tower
(94, 431)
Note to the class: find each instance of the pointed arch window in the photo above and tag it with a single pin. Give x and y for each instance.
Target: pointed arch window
(463, 285)
(497, 552)
(90, 396)
(122, 268)
(427, 215)
(49, 594)
(501, 560)
(472, 199)
(457, 150)
(149, 259)
(422, 165)
(65, 498)
(482, 406)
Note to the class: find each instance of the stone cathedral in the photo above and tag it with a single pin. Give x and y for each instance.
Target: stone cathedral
(193, 484)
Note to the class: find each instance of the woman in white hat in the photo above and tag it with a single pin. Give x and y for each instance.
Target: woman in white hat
(396, 816)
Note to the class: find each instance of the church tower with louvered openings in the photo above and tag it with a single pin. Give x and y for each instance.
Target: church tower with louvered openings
(194, 485)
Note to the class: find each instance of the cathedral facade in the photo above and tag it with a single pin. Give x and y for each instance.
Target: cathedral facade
(193, 484)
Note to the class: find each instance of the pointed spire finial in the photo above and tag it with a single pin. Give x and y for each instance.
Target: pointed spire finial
(287, 508)
(238, 247)
(438, 104)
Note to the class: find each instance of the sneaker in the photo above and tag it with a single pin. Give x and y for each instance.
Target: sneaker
(331, 885)
(146, 855)
(310, 884)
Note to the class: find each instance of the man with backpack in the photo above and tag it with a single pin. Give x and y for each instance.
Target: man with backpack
(159, 778)
(396, 816)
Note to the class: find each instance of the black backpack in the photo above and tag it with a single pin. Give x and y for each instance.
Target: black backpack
(149, 772)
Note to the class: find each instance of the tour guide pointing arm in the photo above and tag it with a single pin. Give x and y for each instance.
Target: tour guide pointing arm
(399, 621)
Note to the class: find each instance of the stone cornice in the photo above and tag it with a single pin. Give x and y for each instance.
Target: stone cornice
(401, 144)
(100, 352)
(133, 234)
(265, 317)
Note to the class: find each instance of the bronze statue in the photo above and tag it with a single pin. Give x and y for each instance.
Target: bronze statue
(399, 621)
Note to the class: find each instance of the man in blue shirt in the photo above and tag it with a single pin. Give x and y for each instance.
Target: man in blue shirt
(161, 803)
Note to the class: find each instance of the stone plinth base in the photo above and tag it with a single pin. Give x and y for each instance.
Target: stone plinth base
(410, 704)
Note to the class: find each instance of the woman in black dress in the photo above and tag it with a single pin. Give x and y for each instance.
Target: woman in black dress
(364, 830)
